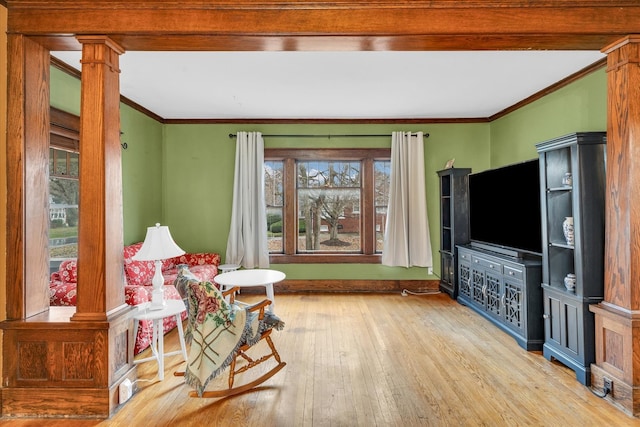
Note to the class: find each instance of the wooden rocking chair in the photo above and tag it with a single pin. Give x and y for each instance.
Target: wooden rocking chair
(214, 322)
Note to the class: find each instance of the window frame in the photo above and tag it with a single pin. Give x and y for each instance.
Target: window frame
(367, 211)
(64, 136)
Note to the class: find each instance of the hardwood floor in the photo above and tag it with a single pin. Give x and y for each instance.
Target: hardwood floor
(377, 360)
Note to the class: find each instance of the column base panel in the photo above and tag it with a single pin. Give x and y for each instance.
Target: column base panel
(623, 396)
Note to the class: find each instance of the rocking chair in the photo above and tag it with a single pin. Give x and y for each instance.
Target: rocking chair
(221, 333)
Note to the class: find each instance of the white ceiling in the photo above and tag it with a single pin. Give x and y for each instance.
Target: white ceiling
(338, 85)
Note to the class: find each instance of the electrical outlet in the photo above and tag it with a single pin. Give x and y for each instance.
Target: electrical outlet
(430, 271)
(125, 390)
(607, 385)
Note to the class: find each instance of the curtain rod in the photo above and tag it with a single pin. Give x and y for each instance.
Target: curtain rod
(329, 136)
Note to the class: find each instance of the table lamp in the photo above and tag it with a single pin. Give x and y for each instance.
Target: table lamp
(158, 245)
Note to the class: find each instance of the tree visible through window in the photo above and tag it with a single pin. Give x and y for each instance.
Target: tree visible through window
(274, 199)
(324, 204)
(326, 193)
(64, 190)
(63, 204)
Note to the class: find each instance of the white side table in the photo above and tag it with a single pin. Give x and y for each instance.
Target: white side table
(252, 277)
(225, 268)
(172, 307)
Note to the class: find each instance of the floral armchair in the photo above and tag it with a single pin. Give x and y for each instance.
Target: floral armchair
(138, 287)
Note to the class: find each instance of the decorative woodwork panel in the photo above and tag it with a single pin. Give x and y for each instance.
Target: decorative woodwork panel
(617, 351)
(66, 359)
(121, 343)
(78, 360)
(58, 367)
(33, 360)
(613, 347)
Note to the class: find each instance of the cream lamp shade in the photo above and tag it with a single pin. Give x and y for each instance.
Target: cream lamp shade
(158, 245)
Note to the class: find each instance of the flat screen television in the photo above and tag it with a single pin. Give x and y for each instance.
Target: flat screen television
(504, 208)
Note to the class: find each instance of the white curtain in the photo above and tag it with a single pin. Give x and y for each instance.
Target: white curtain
(247, 244)
(406, 238)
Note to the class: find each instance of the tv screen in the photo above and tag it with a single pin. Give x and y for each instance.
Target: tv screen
(504, 207)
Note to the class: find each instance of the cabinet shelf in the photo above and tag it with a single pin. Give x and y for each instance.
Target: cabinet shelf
(561, 245)
(572, 295)
(569, 329)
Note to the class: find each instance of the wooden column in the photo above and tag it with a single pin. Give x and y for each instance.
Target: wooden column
(61, 361)
(617, 317)
(27, 178)
(100, 231)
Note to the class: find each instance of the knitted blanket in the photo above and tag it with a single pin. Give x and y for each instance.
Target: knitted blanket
(216, 329)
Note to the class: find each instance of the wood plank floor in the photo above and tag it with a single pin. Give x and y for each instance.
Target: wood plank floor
(377, 360)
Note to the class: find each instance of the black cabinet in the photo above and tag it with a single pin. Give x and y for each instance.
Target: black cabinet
(506, 290)
(454, 223)
(572, 178)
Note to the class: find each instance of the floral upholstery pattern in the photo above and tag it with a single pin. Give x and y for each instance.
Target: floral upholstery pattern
(138, 287)
(141, 272)
(61, 293)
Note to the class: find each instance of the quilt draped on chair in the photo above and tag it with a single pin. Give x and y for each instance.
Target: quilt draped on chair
(216, 329)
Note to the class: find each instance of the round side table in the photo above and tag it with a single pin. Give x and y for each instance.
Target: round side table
(252, 277)
(225, 268)
(172, 308)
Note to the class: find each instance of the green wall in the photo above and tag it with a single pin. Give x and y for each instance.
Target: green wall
(182, 174)
(198, 179)
(142, 174)
(578, 107)
(64, 92)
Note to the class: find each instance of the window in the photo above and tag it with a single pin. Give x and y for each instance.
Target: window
(63, 204)
(382, 179)
(326, 206)
(64, 188)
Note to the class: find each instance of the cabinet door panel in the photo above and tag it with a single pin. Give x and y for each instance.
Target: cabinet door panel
(513, 307)
(447, 268)
(493, 294)
(464, 279)
(554, 329)
(572, 318)
(477, 287)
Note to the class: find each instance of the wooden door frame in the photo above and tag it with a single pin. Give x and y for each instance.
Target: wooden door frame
(226, 26)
